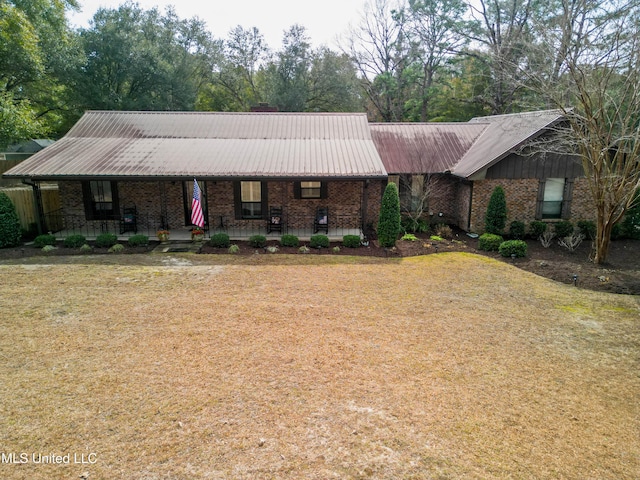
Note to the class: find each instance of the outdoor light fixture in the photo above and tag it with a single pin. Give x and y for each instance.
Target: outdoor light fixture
(575, 279)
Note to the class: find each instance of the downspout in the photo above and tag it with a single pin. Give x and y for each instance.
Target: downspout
(39, 210)
(365, 206)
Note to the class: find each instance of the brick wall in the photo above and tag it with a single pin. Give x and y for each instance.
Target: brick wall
(521, 196)
(344, 200)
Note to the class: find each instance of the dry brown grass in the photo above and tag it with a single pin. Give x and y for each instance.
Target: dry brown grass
(445, 366)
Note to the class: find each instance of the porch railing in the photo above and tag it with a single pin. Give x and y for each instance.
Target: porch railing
(62, 225)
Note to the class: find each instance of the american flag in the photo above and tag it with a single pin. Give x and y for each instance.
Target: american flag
(197, 218)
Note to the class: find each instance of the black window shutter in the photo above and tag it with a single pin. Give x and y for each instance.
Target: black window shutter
(323, 190)
(540, 199)
(237, 200)
(115, 200)
(297, 190)
(566, 200)
(264, 199)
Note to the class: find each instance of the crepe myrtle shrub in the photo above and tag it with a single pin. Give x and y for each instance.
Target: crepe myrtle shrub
(496, 217)
(106, 240)
(45, 239)
(389, 220)
(587, 228)
(220, 240)
(537, 228)
(511, 248)
(489, 242)
(258, 241)
(10, 230)
(288, 240)
(74, 241)
(351, 241)
(138, 241)
(319, 241)
(516, 230)
(563, 229)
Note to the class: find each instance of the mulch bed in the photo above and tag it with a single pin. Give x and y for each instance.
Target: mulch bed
(621, 274)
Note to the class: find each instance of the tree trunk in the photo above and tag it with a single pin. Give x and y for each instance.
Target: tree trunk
(603, 239)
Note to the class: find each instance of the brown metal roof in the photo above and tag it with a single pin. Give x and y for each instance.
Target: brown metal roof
(504, 134)
(414, 148)
(210, 144)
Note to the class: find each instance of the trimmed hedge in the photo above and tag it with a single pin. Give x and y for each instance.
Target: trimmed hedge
(563, 229)
(319, 241)
(351, 241)
(489, 242)
(42, 240)
(74, 241)
(537, 228)
(513, 247)
(516, 230)
(106, 240)
(258, 241)
(138, 241)
(288, 240)
(220, 240)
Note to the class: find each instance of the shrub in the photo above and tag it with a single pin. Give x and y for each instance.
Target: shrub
(336, 249)
(545, 238)
(138, 241)
(513, 247)
(116, 248)
(409, 237)
(42, 240)
(587, 228)
(414, 225)
(436, 238)
(288, 240)
(219, 240)
(272, 249)
(537, 228)
(617, 232)
(351, 241)
(234, 249)
(631, 221)
(74, 241)
(304, 249)
(106, 240)
(49, 248)
(10, 230)
(444, 231)
(571, 242)
(86, 248)
(258, 241)
(389, 220)
(489, 242)
(563, 229)
(319, 241)
(496, 217)
(516, 230)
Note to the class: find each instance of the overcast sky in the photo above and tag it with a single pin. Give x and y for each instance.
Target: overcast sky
(324, 20)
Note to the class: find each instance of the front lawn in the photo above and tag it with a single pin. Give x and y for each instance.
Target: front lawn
(442, 366)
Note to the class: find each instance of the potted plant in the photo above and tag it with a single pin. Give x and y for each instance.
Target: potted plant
(163, 235)
(197, 234)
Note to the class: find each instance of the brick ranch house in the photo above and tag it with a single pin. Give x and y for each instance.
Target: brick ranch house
(460, 164)
(111, 163)
(245, 164)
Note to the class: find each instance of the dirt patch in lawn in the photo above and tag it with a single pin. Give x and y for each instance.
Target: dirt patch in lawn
(440, 366)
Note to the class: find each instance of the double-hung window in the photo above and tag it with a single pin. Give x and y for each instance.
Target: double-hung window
(553, 198)
(251, 199)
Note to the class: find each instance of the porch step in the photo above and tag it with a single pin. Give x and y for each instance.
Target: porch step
(178, 247)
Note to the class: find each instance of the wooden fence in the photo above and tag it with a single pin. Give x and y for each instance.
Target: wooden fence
(23, 199)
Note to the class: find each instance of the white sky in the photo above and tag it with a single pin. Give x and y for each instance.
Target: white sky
(324, 20)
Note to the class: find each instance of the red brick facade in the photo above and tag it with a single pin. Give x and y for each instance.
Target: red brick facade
(521, 196)
(155, 200)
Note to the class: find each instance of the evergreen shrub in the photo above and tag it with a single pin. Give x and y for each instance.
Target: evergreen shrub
(138, 241)
(563, 229)
(106, 240)
(516, 230)
(220, 240)
(496, 217)
(351, 241)
(42, 240)
(289, 240)
(537, 228)
(10, 230)
(489, 242)
(258, 241)
(319, 241)
(513, 247)
(74, 241)
(389, 220)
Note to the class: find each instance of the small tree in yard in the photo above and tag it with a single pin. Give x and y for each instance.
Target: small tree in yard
(10, 232)
(496, 216)
(389, 221)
